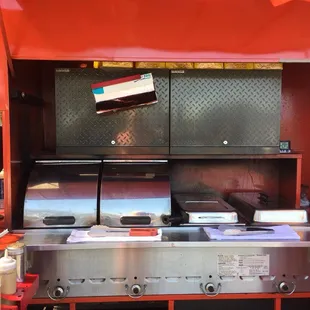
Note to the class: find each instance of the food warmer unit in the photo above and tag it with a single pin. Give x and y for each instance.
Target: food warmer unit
(260, 209)
(62, 195)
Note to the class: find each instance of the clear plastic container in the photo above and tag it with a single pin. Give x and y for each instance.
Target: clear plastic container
(17, 252)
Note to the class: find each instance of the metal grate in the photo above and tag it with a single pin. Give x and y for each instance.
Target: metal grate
(240, 107)
(78, 125)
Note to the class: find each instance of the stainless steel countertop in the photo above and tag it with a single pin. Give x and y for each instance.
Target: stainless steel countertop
(179, 237)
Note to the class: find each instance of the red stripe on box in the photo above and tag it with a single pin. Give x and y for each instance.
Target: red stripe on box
(116, 81)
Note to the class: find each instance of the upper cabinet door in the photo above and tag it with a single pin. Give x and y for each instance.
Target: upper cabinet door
(225, 112)
(80, 130)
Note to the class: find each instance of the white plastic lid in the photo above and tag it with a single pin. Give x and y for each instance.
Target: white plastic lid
(7, 263)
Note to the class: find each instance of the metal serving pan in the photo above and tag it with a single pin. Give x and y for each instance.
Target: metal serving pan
(206, 209)
(259, 208)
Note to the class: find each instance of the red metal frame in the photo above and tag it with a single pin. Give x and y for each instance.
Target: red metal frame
(171, 305)
(277, 304)
(7, 167)
(170, 298)
(24, 293)
(166, 298)
(4, 103)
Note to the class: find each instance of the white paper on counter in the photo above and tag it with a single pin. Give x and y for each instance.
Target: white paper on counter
(283, 232)
(81, 236)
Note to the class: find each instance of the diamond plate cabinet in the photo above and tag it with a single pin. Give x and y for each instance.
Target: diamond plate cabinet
(225, 111)
(79, 130)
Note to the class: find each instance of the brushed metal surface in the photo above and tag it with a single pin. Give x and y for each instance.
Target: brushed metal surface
(222, 111)
(173, 270)
(136, 190)
(80, 130)
(173, 237)
(62, 189)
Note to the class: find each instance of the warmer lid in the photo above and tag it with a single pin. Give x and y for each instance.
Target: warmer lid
(62, 194)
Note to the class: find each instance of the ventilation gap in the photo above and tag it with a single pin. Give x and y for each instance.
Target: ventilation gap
(232, 278)
(97, 280)
(193, 278)
(76, 281)
(173, 279)
(44, 282)
(300, 277)
(152, 279)
(118, 280)
(267, 278)
(247, 278)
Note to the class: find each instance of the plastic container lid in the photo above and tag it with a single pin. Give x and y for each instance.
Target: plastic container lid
(7, 263)
(16, 248)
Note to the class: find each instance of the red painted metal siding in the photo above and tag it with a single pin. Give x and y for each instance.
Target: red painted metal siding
(3, 77)
(154, 30)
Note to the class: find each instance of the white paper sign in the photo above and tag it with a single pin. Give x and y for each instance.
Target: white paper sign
(242, 265)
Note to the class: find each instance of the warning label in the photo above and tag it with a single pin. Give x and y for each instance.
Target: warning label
(242, 265)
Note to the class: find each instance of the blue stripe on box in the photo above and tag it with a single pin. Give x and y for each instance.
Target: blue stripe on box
(98, 91)
(146, 76)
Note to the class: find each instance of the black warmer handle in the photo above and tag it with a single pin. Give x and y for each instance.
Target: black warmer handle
(59, 220)
(135, 220)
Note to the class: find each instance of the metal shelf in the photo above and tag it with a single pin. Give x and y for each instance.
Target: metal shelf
(189, 156)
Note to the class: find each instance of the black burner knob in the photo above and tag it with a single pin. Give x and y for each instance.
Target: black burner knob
(58, 292)
(210, 288)
(136, 289)
(283, 287)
